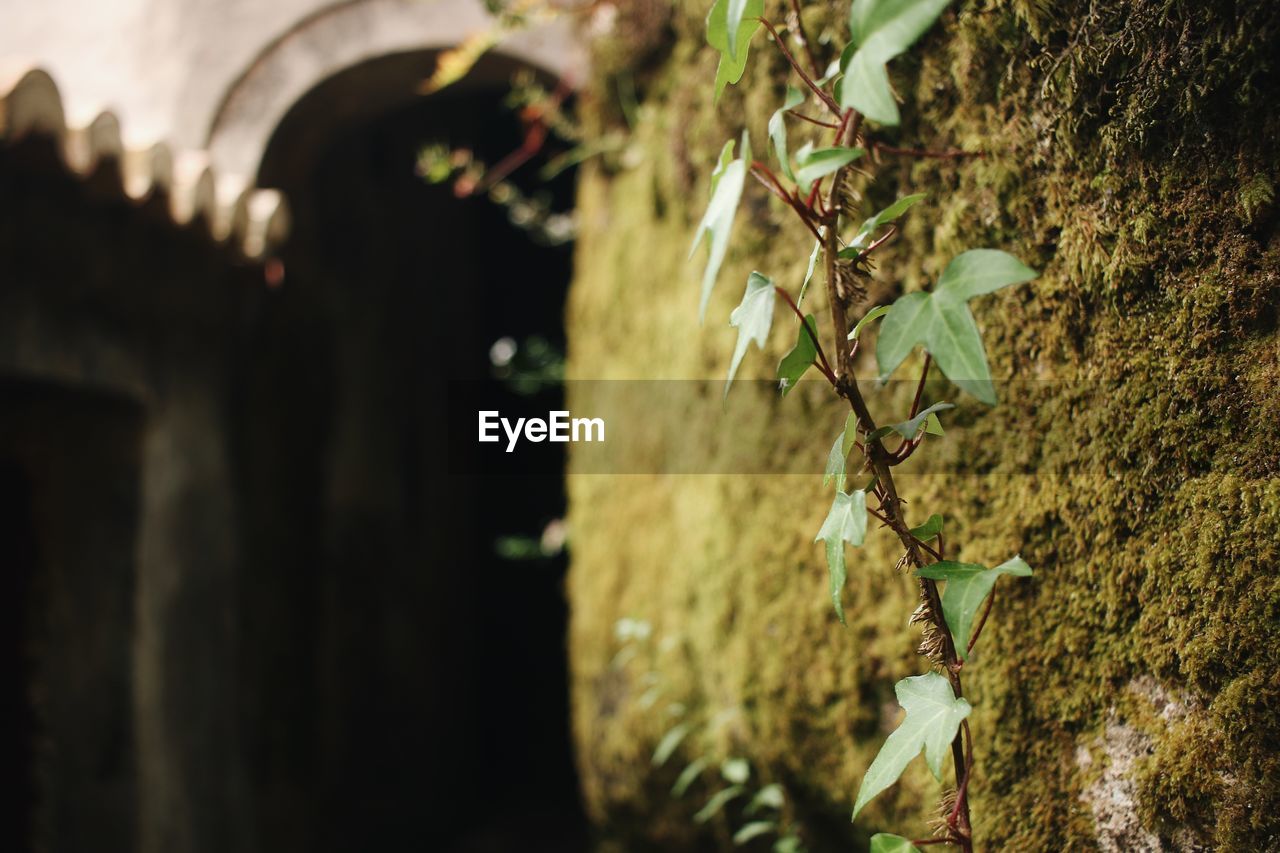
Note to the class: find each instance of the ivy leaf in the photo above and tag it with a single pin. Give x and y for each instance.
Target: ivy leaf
(929, 529)
(869, 226)
(796, 362)
(769, 797)
(753, 830)
(981, 271)
(968, 585)
(687, 776)
(942, 322)
(882, 30)
(808, 273)
(883, 842)
(669, 743)
(835, 464)
(911, 428)
(753, 317)
(869, 317)
(726, 17)
(933, 717)
(846, 522)
(717, 223)
(778, 130)
(815, 164)
(718, 801)
(850, 433)
(735, 770)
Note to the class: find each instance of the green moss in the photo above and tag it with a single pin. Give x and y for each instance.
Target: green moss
(1135, 467)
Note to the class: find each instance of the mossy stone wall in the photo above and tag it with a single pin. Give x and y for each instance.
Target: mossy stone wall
(1128, 696)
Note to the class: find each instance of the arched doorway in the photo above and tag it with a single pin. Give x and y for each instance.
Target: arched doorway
(405, 689)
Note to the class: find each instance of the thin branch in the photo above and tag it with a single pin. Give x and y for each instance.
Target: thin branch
(804, 39)
(924, 374)
(986, 611)
(825, 366)
(812, 120)
(808, 81)
(765, 176)
(968, 774)
(880, 241)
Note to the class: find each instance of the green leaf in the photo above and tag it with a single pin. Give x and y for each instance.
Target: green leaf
(968, 585)
(796, 362)
(845, 522)
(753, 830)
(753, 318)
(669, 743)
(933, 717)
(808, 273)
(769, 797)
(869, 226)
(717, 802)
(815, 164)
(911, 428)
(717, 223)
(981, 271)
(929, 529)
(735, 770)
(942, 322)
(835, 464)
(850, 433)
(733, 20)
(687, 776)
(883, 842)
(882, 30)
(869, 317)
(778, 130)
(788, 844)
(933, 426)
(733, 57)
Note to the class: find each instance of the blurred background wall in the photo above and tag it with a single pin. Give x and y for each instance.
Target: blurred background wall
(248, 605)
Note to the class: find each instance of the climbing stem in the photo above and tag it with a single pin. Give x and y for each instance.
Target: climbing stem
(879, 460)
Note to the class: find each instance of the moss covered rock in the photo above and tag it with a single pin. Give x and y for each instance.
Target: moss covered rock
(1127, 696)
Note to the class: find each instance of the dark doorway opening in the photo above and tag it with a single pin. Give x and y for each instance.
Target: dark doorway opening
(406, 687)
(69, 496)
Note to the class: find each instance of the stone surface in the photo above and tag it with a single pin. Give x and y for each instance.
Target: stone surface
(1132, 464)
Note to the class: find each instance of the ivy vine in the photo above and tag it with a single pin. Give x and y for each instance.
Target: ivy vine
(850, 95)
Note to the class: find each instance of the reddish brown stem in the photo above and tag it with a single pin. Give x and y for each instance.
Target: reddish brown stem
(879, 460)
(804, 39)
(963, 790)
(825, 366)
(765, 176)
(826, 99)
(924, 375)
(812, 120)
(986, 611)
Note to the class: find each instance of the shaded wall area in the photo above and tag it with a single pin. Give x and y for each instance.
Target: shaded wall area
(301, 637)
(102, 300)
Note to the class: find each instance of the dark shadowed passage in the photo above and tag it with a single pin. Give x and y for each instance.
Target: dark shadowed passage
(407, 686)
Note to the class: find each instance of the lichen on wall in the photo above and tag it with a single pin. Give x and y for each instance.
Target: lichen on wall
(1130, 156)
